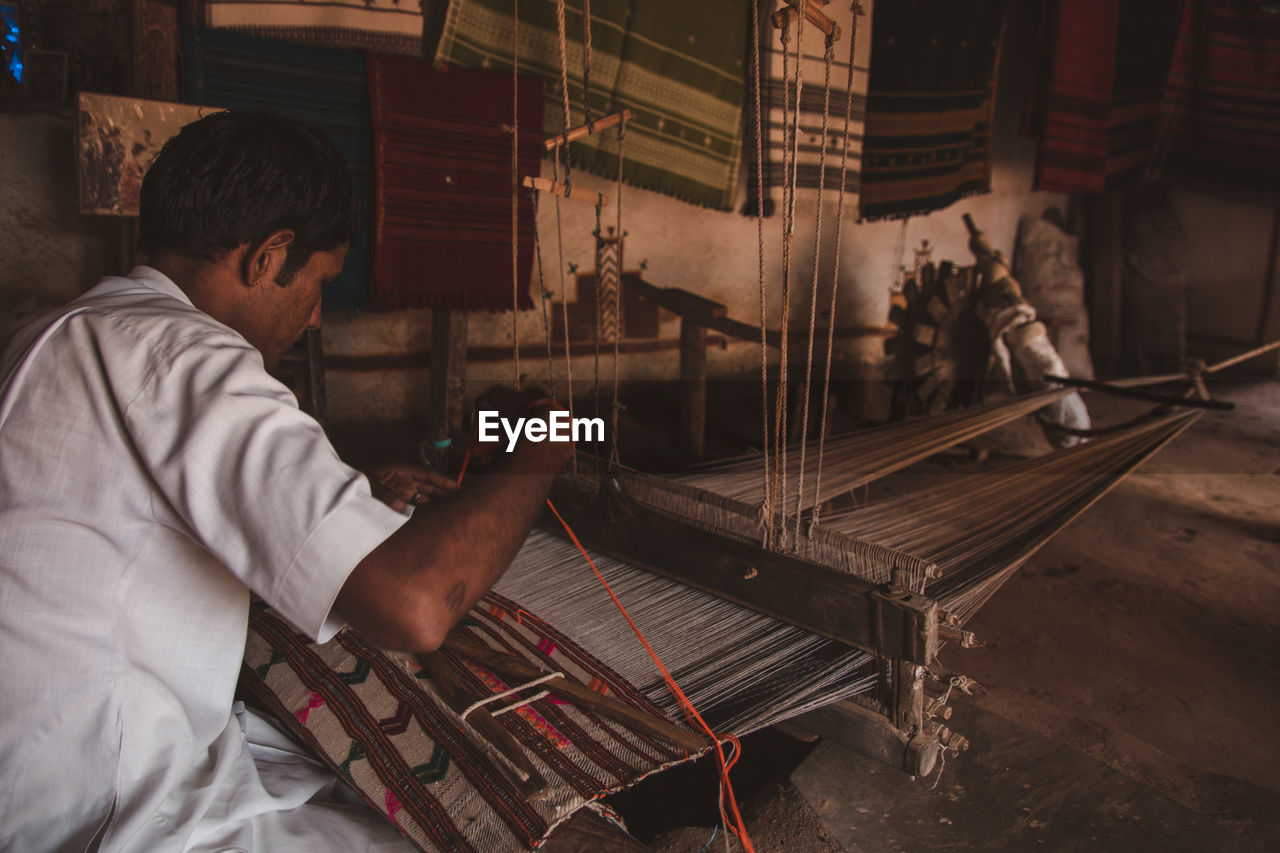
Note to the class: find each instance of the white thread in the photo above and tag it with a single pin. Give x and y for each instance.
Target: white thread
(480, 703)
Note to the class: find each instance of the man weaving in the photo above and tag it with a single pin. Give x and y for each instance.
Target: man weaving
(152, 475)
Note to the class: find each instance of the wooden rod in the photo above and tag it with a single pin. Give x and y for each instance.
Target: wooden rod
(1244, 356)
(587, 129)
(547, 185)
(811, 14)
(515, 667)
(457, 697)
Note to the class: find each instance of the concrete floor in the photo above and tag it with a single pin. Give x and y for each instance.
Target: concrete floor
(1131, 669)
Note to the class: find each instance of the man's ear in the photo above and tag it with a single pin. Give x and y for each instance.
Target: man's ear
(263, 263)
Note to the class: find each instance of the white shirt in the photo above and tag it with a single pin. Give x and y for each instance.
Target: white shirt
(151, 475)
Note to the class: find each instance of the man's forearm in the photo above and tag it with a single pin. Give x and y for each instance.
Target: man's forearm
(409, 591)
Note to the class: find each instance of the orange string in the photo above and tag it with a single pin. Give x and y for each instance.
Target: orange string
(463, 470)
(740, 829)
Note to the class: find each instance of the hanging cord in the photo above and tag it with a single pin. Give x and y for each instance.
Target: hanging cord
(835, 269)
(766, 509)
(515, 189)
(792, 149)
(542, 290)
(738, 827)
(617, 303)
(586, 65)
(829, 53)
(564, 295)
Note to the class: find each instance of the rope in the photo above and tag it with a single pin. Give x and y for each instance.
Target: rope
(586, 65)
(564, 296)
(515, 189)
(791, 112)
(740, 829)
(766, 509)
(835, 268)
(828, 56)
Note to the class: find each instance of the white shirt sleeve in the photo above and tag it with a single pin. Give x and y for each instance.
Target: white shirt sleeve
(254, 479)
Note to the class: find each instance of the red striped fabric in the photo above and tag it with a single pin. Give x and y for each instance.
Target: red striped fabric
(1220, 120)
(442, 185)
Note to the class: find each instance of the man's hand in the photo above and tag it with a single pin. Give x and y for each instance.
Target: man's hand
(407, 484)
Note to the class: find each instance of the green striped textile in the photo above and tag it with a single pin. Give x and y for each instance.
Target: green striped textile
(678, 67)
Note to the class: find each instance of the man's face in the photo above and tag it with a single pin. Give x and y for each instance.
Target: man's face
(285, 313)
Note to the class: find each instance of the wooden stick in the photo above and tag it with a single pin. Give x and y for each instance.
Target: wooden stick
(1244, 356)
(812, 15)
(547, 185)
(587, 129)
(515, 667)
(458, 698)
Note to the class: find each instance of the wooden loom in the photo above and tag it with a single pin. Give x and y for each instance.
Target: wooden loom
(705, 530)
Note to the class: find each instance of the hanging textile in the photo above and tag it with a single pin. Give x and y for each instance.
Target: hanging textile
(773, 102)
(324, 86)
(387, 26)
(1101, 95)
(930, 102)
(442, 185)
(1220, 119)
(677, 66)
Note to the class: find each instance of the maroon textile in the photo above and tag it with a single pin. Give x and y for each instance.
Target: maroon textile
(1220, 121)
(442, 185)
(1101, 97)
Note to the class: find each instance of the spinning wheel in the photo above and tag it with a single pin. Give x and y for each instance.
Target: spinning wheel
(940, 350)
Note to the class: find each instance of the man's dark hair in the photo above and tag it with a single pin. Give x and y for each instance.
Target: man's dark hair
(237, 177)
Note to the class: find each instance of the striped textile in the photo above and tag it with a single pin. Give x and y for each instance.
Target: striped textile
(812, 74)
(930, 101)
(1220, 119)
(677, 66)
(442, 186)
(376, 719)
(324, 86)
(1110, 60)
(387, 26)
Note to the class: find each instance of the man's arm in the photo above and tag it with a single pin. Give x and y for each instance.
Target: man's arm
(410, 590)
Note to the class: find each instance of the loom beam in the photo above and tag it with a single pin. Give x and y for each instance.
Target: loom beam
(889, 621)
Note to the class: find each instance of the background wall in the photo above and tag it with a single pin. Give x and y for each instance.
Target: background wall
(51, 253)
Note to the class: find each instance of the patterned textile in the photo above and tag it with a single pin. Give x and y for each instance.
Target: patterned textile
(1220, 120)
(930, 102)
(388, 26)
(1110, 60)
(321, 85)
(377, 720)
(678, 66)
(773, 101)
(442, 186)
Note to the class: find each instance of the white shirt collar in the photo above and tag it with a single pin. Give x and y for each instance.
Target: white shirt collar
(152, 279)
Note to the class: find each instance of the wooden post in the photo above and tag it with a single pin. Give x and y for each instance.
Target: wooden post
(693, 385)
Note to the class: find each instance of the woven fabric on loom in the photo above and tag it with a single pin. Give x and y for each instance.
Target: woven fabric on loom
(324, 86)
(1101, 95)
(773, 101)
(1220, 119)
(376, 719)
(442, 186)
(677, 66)
(388, 26)
(930, 101)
